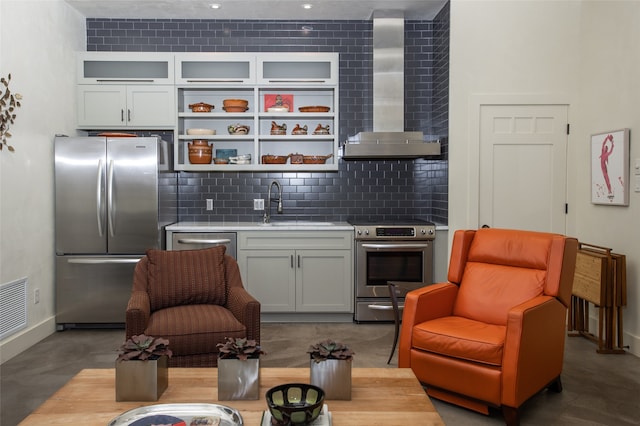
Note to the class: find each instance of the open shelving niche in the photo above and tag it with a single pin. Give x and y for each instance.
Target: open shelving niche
(258, 141)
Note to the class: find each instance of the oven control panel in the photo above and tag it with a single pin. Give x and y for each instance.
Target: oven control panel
(395, 232)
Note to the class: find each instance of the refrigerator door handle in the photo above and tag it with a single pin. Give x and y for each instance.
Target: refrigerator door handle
(103, 260)
(111, 208)
(99, 200)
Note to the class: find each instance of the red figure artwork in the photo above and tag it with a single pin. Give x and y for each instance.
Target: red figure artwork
(606, 151)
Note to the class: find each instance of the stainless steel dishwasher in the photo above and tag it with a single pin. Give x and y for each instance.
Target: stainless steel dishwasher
(200, 240)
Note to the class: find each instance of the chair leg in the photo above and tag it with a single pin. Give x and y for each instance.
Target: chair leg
(395, 341)
(556, 385)
(511, 416)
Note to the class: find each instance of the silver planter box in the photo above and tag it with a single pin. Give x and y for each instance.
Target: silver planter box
(141, 380)
(238, 379)
(333, 376)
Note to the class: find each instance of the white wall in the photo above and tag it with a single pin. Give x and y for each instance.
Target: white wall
(38, 41)
(579, 53)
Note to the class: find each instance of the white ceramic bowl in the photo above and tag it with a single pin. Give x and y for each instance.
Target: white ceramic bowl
(201, 132)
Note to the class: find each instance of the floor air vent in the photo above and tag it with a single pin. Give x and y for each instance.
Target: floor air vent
(13, 307)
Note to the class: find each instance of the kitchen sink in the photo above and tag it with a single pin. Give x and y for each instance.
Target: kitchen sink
(297, 223)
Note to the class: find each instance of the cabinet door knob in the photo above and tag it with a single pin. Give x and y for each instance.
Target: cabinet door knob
(128, 115)
(291, 261)
(122, 115)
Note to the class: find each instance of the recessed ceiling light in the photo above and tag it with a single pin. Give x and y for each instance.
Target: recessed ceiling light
(307, 6)
(215, 6)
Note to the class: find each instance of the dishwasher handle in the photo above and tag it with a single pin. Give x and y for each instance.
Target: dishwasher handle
(203, 241)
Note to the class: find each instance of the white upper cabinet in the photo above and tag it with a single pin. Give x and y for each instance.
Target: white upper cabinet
(125, 68)
(125, 90)
(298, 68)
(215, 68)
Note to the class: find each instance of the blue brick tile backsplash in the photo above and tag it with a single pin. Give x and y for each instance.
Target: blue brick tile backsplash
(383, 189)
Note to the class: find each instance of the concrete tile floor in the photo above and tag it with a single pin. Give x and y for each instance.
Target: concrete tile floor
(598, 389)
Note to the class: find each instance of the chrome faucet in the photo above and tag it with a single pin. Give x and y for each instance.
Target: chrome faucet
(267, 210)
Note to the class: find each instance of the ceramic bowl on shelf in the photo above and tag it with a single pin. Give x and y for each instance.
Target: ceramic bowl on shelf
(315, 159)
(275, 159)
(235, 105)
(201, 107)
(238, 129)
(201, 132)
(278, 109)
(314, 109)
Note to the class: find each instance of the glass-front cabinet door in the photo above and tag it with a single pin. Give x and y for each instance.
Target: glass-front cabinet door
(298, 68)
(215, 68)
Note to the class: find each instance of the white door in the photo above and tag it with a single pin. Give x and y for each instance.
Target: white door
(523, 173)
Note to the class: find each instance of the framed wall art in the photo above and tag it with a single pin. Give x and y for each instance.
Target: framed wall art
(278, 103)
(610, 168)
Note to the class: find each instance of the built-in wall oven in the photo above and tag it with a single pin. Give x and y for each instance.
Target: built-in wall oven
(397, 252)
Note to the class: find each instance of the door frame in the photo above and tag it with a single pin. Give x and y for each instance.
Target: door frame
(476, 102)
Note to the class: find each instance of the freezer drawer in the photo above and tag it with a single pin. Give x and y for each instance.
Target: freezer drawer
(200, 240)
(93, 290)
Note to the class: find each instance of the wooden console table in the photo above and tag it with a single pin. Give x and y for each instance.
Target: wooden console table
(380, 396)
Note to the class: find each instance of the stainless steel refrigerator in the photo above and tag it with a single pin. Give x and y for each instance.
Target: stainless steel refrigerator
(113, 199)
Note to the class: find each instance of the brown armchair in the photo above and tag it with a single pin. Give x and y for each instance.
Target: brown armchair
(194, 298)
(494, 334)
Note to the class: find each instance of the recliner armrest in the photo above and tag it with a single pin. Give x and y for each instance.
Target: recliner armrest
(423, 304)
(533, 348)
(138, 313)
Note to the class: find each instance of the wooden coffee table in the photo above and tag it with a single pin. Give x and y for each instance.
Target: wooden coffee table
(380, 396)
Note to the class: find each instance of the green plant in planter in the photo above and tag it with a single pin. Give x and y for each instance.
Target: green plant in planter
(239, 369)
(239, 348)
(145, 374)
(143, 348)
(330, 349)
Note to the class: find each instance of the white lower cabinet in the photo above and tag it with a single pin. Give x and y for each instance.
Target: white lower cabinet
(313, 274)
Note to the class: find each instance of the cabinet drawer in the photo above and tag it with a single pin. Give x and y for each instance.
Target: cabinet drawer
(319, 240)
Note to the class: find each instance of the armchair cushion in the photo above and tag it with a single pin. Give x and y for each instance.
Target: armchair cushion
(187, 277)
(195, 329)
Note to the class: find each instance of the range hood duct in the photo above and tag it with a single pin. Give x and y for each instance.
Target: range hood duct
(388, 138)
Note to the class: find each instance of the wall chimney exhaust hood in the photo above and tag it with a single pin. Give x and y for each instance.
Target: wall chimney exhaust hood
(388, 138)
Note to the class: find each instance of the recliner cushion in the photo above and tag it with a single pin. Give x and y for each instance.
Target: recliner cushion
(186, 277)
(194, 329)
(461, 338)
(488, 291)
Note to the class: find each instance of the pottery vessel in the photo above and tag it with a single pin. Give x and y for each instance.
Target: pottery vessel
(201, 107)
(200, 152)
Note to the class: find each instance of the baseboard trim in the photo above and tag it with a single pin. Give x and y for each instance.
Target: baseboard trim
(20, 342)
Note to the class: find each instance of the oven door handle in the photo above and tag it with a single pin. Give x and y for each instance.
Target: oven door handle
(395, 246)
(384, 307)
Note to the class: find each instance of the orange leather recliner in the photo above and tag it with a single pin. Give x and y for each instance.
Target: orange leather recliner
(494, 334)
